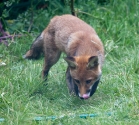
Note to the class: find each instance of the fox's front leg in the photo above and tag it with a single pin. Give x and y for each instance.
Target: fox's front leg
(73, 89)
(45, 71)
(52, 55)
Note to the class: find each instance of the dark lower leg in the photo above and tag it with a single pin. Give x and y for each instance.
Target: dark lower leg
(45, 73)
(69, 81)
(51, 57)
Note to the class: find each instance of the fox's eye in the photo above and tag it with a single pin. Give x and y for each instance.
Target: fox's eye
(88, 81)
(77, 81)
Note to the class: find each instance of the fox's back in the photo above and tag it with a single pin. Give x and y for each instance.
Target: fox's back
(69, 24)
(73, 36)
(63, 26)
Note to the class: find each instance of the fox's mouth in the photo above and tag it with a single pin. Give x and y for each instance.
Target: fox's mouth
(84, 96)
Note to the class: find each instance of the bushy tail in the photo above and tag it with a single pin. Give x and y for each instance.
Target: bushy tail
(36, 49)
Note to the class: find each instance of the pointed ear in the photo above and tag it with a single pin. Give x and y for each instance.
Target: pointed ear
(92, 62)
(71, 62)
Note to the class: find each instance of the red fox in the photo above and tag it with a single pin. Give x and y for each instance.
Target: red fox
(82, 46)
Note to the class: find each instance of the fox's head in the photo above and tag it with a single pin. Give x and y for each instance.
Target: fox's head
(85, 72)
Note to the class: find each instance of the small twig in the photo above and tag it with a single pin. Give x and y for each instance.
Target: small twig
(72, 7)
(4, 38)
(31, 21)
(10, 36)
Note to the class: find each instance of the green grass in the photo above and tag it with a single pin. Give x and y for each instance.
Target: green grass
(23, 96)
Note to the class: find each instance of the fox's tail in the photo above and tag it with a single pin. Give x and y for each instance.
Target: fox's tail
(36, 49)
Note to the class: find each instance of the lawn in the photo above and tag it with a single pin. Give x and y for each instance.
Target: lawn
(24, 96)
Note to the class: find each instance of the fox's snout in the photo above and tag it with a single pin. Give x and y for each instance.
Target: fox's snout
(84, 96)
(84, 93)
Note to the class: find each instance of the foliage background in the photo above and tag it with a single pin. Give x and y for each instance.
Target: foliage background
(22, 94)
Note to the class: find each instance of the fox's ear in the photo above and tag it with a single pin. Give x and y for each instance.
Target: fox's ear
(92, 62)
(71, 62)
